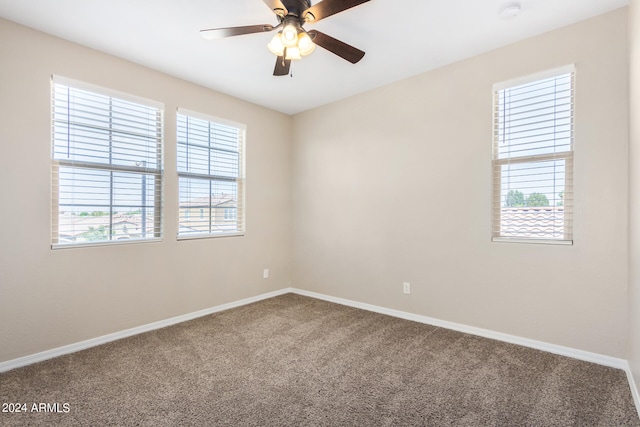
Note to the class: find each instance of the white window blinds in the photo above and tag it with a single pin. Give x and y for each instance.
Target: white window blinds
(533, 159)
(106, 166)
(211, 176)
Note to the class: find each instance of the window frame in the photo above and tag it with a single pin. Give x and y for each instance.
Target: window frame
(157, 174)
(566, 156)
(239, 179)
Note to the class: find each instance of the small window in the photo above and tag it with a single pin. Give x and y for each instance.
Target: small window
(230, 214)
(106, 166)
(533, 159)
(211, 176)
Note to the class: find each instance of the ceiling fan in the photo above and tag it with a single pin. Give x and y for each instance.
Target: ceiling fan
(293, 41)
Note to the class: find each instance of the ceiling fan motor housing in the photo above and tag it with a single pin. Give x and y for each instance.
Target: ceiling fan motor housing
(296, 7)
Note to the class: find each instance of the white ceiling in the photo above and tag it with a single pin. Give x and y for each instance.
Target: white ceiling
(400, 38)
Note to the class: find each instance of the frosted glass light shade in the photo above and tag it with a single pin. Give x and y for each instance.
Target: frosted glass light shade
(292, 53)
(305, 44)
(276, 46)
(290, 35)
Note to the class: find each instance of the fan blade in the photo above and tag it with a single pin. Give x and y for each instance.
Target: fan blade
(220, 33)
(276, 7)
(329, 7)
(282, 66)
(341, 49)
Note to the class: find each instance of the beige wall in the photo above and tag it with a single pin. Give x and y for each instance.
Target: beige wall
(53, 298)
(394, 185)
(389, 186)
(634, 190)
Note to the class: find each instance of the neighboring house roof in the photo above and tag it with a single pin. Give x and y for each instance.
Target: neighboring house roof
(216, 201)
(543, 222)
(73, 226)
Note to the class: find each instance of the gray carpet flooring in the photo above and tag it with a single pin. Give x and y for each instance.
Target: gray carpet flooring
(298, 361)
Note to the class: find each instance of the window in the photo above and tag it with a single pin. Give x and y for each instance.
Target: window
(230, 214)
(533, 159)
(106, 166)
(211, 176)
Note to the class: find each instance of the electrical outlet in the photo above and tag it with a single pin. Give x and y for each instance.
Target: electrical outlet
(265, 273)
(406, 287)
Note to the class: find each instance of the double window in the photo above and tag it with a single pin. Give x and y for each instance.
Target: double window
(107, 166)
(107, 169)
(211, 176)
(533, 158)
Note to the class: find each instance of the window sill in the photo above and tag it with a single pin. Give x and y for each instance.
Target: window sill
(532, 241)
(104, 243)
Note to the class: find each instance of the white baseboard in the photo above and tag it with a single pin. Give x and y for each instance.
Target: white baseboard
(512, 339)
(539, 345)
(72, 348)
(634, 388)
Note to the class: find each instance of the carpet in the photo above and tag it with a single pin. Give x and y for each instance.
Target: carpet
(298, 361)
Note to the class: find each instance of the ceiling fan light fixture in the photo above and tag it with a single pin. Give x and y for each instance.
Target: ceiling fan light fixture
(292, 53)
(305, 44)
(290, 35)
(275, 45)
